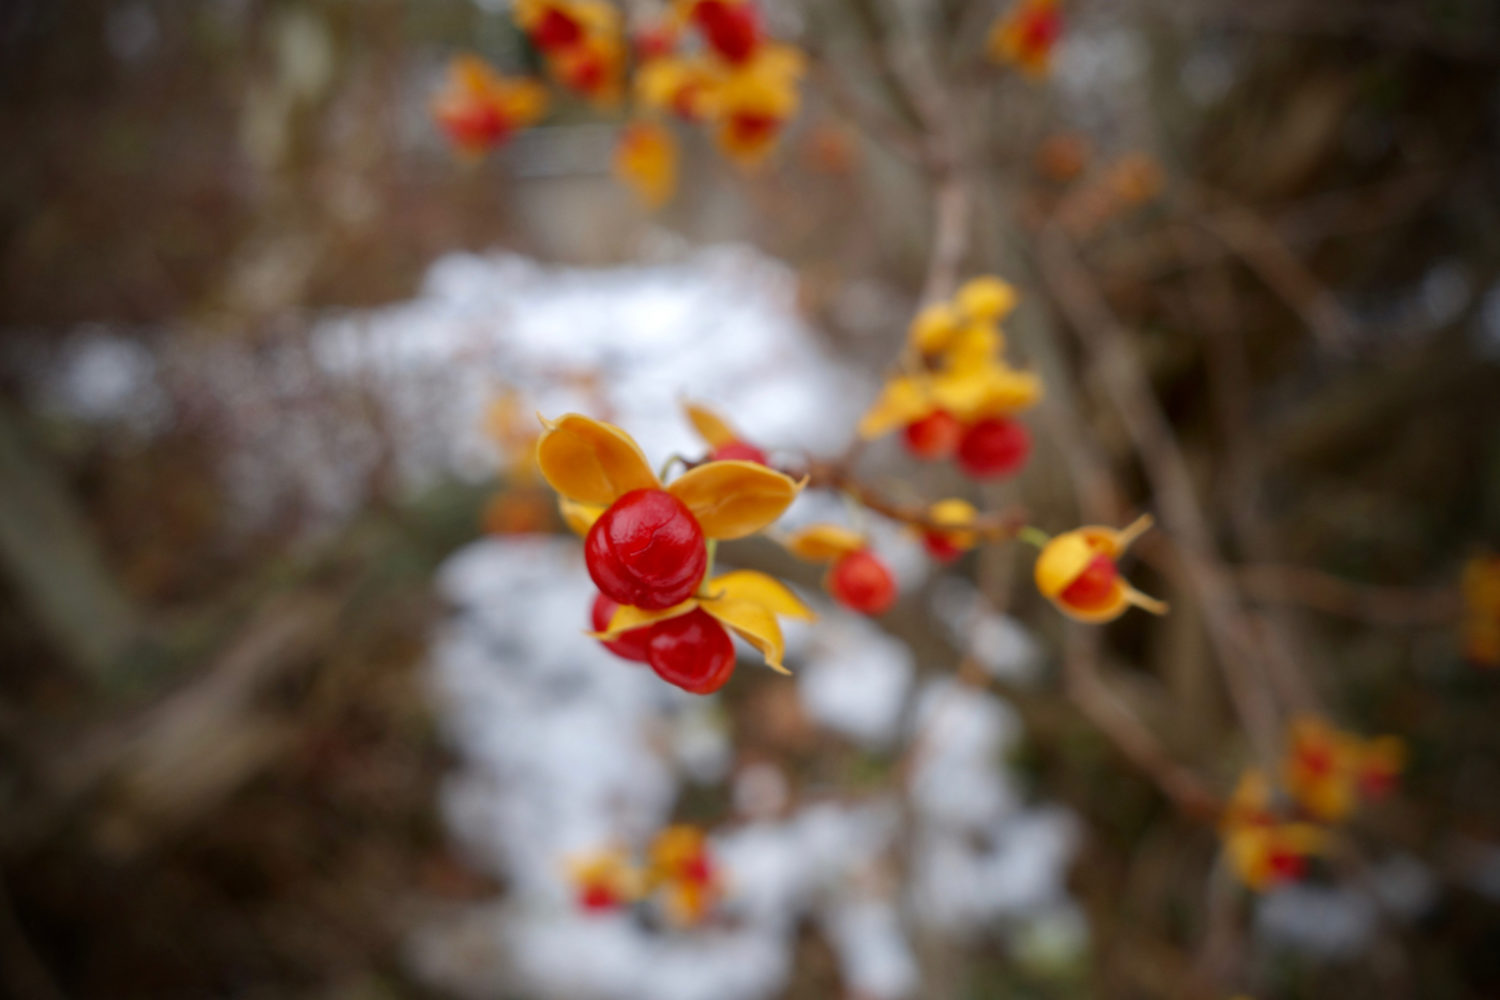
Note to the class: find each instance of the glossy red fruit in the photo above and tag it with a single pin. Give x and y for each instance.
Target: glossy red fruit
(647, 550)
(597, 897)
(655, 43)
(934, 436)
(691, 651)
(940, 547)
(731, 29)
(861, 582)
(994, 446)
(476, 127)
(628, 645)
(751, 128)
(1286, 866)
(741, 450)
(1094, 587)
(1041, 31)
(556, 31)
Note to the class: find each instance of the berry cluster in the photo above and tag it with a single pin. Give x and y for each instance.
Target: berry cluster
(1269, 837)
(647, 549)
(679, 872)
(955, 396)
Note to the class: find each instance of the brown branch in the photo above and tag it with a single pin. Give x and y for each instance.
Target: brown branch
(1115, 720)
(1261, 248)
(869, 118)
(992, 526)
(1380, 605)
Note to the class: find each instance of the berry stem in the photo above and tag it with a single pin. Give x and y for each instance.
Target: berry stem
(1032, 535)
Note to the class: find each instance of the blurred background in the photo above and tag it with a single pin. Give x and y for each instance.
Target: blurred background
(294, 698)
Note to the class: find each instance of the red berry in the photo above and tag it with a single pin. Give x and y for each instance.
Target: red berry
(585, 74)
(646, 550)
(1041, 31)
(1377, 784)
(556, 30)
(1094, 587)
(1317, 760)
(751, 128)
(741, 450)
(940, 547)
(731, 29)
(628, 645)
(691, 651)
(476, 127)
(1287, 866)
(993, 447)
(655, 43)
(698, 870)
(597, 897)
(934, 436)
(861, 582)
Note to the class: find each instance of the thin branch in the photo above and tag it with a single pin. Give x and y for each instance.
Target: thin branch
(1115, 720)
(1379, 605)
(992, 526)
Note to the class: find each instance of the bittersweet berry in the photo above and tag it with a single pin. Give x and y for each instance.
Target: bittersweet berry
(692, 651)
(738, 450)
(1094, 588)
(861, 582)
(941, 546)
(993, 447)
(477, 126)
(628, 645)
(732, 29)
(934, 436)
(597, 898)
(556, 30)
(646, 550)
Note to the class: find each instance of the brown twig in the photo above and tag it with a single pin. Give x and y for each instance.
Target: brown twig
(1320, 591)
(1261, 248)
(1103, 708)
(992, 526)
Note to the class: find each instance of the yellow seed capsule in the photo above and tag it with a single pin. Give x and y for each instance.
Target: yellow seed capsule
(1076, 571)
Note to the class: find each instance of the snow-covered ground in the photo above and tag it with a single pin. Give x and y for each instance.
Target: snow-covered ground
(565, 749)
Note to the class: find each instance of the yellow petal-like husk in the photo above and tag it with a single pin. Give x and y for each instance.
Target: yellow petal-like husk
(822, 543)
(1122, 539)
(974, 347)
(734, 499)
(592, 462)
(579, 517)
(958, 513)
(752, 622)
(710, 426)
(646, 161)
(522, 102)
(628, 617)
(933, 327)
(986, 299)
(901, 401)
(758, 588)
(1145, 602)
(1061, 561)
(953, 511)
(973, 391)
